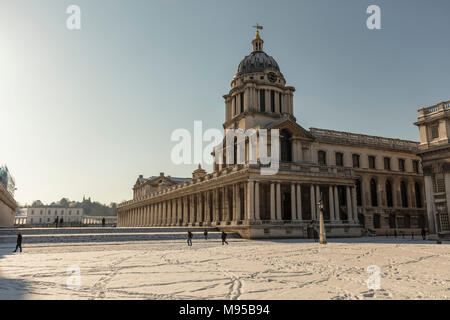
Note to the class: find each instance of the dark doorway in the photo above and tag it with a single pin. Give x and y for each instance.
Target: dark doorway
(305, 191)
(286, 202)
(264, 201)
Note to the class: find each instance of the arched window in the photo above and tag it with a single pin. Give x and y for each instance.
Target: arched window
(418, 191)
(286, 148)
(373, 193)
(389, 198)
(404, 194)
(322, 158)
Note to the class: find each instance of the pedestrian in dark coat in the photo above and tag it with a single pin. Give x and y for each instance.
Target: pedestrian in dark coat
(224, 238)
(19, 242)
(189, 238)
(424, 234)
(205, 233)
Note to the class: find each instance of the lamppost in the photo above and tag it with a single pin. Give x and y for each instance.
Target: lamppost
(322, 235)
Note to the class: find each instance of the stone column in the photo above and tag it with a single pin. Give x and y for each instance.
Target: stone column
(354, 207)
(165, 213)
(299, 202)
(318, 194)
(179, 211)
(313, 203)
(206, 218)
(293, 203)
(279, 215)
(277, 101)
(168, 215)
(250, 201)
(192, 210)
(233, 106)
(429, 191)
(226, 204)
(149, 220)
(273, 211)
(238, 203)
(215, 205)
(246, 99)
(185, 211)
(337, 213)
(331, 201)
(198, 209)
(349, 203)
(257, 211)
(291, 103)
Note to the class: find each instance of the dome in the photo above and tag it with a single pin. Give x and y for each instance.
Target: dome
(257, 61)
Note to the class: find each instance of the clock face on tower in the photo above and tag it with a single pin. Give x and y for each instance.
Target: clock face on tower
(272, 77)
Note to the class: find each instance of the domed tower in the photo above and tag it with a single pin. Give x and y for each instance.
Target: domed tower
(258, 94)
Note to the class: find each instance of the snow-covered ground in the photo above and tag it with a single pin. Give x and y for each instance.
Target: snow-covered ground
(278, 269)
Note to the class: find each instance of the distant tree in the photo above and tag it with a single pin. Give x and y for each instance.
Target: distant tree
(64, 202)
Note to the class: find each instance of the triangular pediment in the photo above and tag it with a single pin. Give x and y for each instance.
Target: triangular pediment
(293, 127)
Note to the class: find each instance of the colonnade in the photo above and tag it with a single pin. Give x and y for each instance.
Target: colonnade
(238, 203)
(250, 96)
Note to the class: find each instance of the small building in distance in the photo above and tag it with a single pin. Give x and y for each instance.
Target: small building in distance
(46, 215)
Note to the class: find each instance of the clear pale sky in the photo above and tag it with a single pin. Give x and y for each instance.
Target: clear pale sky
(85, 112)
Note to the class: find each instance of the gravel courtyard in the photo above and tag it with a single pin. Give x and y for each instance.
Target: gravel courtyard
(278, 269)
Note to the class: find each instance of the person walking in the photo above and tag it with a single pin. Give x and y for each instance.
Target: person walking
(189, 238)
(424, 233)
(19, 242)
(103, 222)
(224, 238)
(205, 233)
(56, 222)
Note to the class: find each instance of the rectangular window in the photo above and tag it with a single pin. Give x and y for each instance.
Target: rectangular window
(435, 131)
(355, 158)
(416, 166)
(372, 162)
(322, 156)
(339, 159)
(401, 165)
(387, 163)
(272, 100)
(242, 102)
(262, 99)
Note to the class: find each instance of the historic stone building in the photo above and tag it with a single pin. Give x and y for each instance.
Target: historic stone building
(362, 182)
(7, 203)
(434, 149)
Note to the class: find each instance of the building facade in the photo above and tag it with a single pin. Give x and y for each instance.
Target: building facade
(434, 149)
(361, 182)
(46, 215)
(7, 203)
